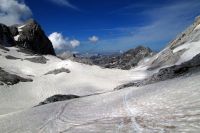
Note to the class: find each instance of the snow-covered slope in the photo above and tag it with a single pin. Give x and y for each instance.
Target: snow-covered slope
(169, 106)
(163, 106)
(81, 80)
(180, 50)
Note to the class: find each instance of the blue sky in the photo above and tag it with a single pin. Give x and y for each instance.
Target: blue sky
(112, 25)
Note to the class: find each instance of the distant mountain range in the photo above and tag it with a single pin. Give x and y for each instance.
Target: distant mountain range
(125, 60)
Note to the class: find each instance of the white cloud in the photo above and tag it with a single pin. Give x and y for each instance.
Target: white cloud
(65, 3)
(58, 40)
(93, 39)
(13, 12)
(74, 43)
(62, 43)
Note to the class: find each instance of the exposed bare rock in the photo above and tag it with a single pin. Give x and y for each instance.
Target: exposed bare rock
(26, 51)
(39, 59)
(6, 38)
(29, 36)
(175, 71)
(57, 98)
(57, 71)
(11, 57)
(33, 37)
(11, 79)
(167, 56)
(124, 61)
(13, 30)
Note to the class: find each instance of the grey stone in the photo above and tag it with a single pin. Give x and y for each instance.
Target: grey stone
(6, 38)
(39, 59)
(57, 98)
(11, 57)
(57, 71)
(187, 68)
(32, 37)
(123, 61)
(11, 79)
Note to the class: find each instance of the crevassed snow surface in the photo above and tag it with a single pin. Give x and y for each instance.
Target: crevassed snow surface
(82, 80)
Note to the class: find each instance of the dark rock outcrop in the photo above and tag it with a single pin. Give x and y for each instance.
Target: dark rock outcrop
(123, 61)
(26, 51)
(39, 59)
(29, 36)
(33, 37)
(6, 38)
(11, 79)
(57, 98)
(11, 57)
(13, 30)
(57, 71)
(186, 68)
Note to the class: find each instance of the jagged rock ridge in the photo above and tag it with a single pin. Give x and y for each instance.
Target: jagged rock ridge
(29, 36)
(125, 61)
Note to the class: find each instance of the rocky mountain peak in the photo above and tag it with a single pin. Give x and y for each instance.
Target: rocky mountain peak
(6, 38)
(30, 36)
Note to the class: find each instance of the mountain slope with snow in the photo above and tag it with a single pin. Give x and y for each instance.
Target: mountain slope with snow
(168, 105)
(79, 80)
(180, 50)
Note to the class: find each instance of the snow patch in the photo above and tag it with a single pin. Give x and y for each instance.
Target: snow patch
(20, 28)
(192, 49)
(197, 27)
(16, 37)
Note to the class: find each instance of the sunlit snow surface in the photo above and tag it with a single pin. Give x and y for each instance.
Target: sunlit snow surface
(82, 80)
(169, 106)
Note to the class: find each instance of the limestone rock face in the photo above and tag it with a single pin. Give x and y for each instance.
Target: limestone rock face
(29, 36)
(185, 43)
(6, 38)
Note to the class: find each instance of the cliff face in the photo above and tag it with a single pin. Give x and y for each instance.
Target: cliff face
(6, 37)
(29, 36)
(183, 48)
